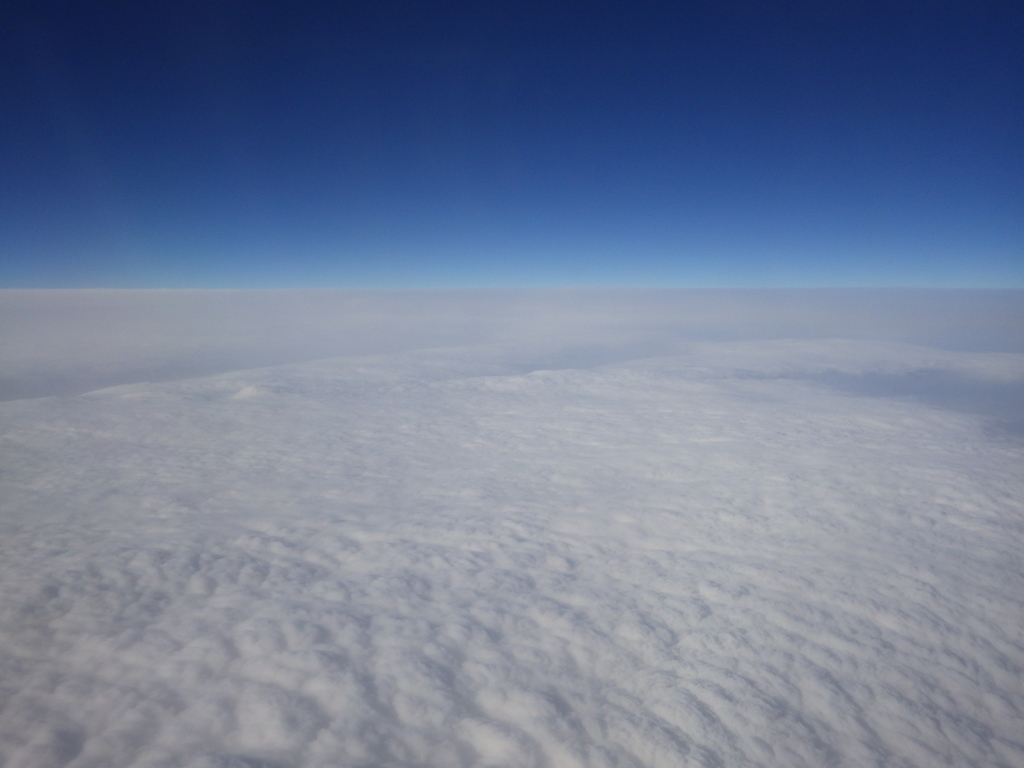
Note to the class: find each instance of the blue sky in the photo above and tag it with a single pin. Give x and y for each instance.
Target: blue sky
(451, 144)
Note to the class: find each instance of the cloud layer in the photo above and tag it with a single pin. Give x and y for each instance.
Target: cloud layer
(715, 557)
(71, 342)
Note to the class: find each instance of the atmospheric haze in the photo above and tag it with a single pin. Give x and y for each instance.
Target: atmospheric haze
(511, 528)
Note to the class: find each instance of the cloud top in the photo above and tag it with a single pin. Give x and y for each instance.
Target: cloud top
(429, 558)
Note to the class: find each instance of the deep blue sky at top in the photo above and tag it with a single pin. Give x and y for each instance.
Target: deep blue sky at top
(242, 143)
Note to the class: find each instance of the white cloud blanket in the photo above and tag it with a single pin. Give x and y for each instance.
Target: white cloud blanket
(710, 558)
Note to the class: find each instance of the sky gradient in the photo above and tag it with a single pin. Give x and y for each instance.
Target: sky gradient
(458, 144)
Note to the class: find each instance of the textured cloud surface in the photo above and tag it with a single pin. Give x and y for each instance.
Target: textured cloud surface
(729, 555)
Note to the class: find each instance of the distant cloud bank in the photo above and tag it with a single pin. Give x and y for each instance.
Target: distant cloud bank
(74, 341)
